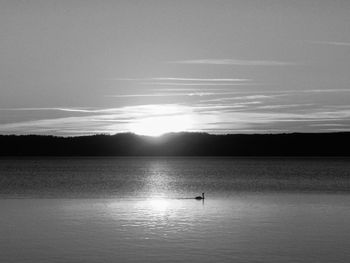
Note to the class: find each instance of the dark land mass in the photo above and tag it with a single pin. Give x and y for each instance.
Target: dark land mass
(179, 144)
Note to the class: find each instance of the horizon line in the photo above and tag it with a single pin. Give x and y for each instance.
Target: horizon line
(172, 133)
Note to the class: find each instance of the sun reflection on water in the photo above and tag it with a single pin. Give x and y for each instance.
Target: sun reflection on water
(159, 204)
(158, 182)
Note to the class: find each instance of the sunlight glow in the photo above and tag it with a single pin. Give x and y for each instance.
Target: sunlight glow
(163, 119)
(156, 126)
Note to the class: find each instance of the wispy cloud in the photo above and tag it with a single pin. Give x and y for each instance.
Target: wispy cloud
(184, 79)
(182, 89)
(204, 79)
(236, 62)
(332, 43)
(219, 92)
(190, 82)
(172, 94)
(116, 120)
(330, 125)
(284, 106)
(195, 84)
(73, 109)
(224, 107)
(162, 95)
(181, 81)
(326, 90)
(249, 97)
(338, 129)
(207, 117)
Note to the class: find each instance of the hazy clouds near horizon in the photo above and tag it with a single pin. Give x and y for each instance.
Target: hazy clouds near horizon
(82, 67)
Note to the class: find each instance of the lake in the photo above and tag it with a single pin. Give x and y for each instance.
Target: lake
(142, 210)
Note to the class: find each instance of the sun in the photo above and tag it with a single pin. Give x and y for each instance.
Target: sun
(156, 126)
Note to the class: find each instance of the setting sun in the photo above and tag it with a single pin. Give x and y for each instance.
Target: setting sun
(156, 126)
(160, 119)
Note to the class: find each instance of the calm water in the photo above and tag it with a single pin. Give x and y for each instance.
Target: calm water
(136, 210)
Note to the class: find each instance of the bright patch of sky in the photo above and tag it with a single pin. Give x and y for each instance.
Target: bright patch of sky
(150, 67)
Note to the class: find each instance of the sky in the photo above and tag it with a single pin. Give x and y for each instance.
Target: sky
(74, 67)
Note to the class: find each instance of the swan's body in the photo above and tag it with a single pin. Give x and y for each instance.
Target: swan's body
(200, 197)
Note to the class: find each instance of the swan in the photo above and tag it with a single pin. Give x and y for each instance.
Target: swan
(200, 197)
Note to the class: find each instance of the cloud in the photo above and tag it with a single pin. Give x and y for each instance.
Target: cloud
(189, 89)
(162, 95)
(331, 43)
(219, 92)
(238, 130)
(73, 109)
(326, 90)
(249, 97)
(329, 125)
(240, 116)
(180, 81)
(146, 95)
(203, 79)
(114, 120)
(337, 130)
(185, 79)
(195, 84)
(195, 93)
(236, 62)
(47, 109)
(284, 106)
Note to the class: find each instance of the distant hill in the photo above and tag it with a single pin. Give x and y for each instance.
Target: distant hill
(179, 144)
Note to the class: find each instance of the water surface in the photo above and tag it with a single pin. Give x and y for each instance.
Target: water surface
(135, 210)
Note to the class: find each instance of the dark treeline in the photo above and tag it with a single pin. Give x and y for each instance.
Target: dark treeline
(179, 144)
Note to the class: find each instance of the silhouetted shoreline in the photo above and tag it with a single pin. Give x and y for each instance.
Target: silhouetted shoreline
(179, 144)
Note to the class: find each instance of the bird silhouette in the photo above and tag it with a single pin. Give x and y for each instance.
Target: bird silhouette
(200, 197)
